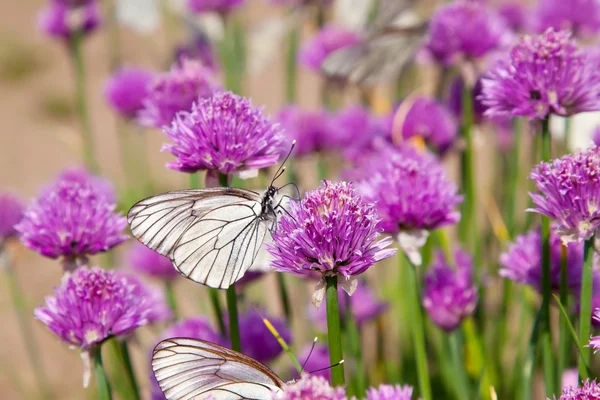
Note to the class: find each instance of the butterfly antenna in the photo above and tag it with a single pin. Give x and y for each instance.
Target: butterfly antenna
(281, 168)
(309, 354)
(331, 366)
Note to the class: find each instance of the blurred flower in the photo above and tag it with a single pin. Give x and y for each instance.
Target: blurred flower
(224, 133)
(570, 193)
(257, 340)
(11, 212)
(365, 306)
(331, 230)
(543, 75)
(310, 387)
(350, 125)
(72, 219)
(317, 364)
(92, 305)
(175, 91)
(449, 295)
(301, 2)
(261, 265)
(194, 328)
(199, 49)
(319, 47)
(514, 15)
(589, 391)
(219, 6)
(595, 340)
(312, 130)
(455, 99)
(582, 17)
(522, 261)
(152, 296)
(430, 120)
(389, 392)
(465, 30)
(413, 196)
(126, 90)
(148, 262)
(57, 19)
(569, 378)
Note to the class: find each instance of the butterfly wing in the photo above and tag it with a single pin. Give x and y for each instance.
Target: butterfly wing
(211, 235)
(218, 248)
(197, 369)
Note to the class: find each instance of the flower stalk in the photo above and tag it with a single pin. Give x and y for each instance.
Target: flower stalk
(334, 334)
(585, 307)
(81, 101)
(104, 390)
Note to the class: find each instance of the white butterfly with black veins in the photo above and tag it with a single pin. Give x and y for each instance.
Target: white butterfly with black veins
(196, 369)
(213, 235)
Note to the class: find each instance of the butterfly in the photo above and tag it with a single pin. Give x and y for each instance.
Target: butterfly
(213, 235)
(196, 369)
(389, 46)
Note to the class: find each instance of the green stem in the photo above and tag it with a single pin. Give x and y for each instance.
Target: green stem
(564, 341)
(334, 335)
(585, 307)
(171, 299)
(513, 179)
(529, 359)
(352, 331)
(104, 391)
(31, 346)
(546, 335)
(217, 309)
(285, 299)
(81, 100)
(469, 231)
(418, 331)
(194, 180)
(114, 42)
(291, 67)
(461, 383)
(124, 350)
(232, 312)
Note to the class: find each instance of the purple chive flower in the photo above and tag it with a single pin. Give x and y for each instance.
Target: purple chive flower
(413, 196)
(522, 261)
(11, 212)
(595, 340)
(430, 120)
(333, 231)
(329, 39)
(224, 133)
(310, 387)
(312, 130)
(92, 305)
(148, 262)
(318, 362)
(582, 17)
(589, 391)
(152, 296)
(72, 219)
(219, 6)
(365, 306)
(570, 193)
(61, 21)
(126, 90)
(352, 125)
(175, 91)
(544, 74)
(390, 392)
(80, 175)
(465, 30)
(514, 15)
(257, 341)
(449, 295)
